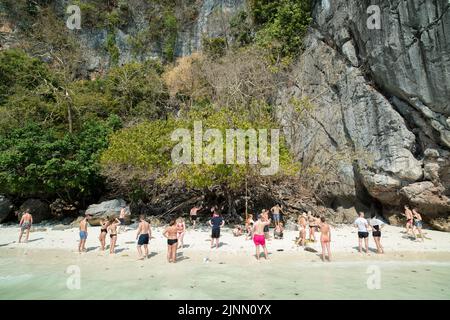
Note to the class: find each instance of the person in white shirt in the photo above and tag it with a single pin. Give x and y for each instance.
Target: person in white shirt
(376, 225)
(363, 232)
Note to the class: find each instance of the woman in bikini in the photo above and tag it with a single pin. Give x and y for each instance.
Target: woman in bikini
(104, 223)
(112, 228)
(312, 227)
(171, 234)
(181, 229)
(325, 238)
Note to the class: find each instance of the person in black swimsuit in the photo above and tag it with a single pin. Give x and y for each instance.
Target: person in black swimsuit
(104, 223)
(171, 234)
(376, 225)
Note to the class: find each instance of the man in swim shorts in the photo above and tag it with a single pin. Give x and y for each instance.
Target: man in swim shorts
(276, 213)
(25, 225)
(216, 223)
(363, 232)
(193, 215)
(259, 238)
(143, 235)
(83, 233)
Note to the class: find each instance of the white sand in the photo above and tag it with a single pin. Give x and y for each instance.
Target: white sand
(344, 240)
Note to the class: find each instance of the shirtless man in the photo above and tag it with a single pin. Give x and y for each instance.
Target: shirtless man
(259, 238)
(83, 233)
(302, 229)
(171, 234)
(25, 224)
(325, 238)
(193, 214)
(418, 223)
(276, 212)
(144, 232)
(312, 227)
(265, 216)
(409, 221)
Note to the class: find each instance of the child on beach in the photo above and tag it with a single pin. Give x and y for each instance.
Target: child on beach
(216, 223)
(409, 221)
(181, 230)
(171, 234)
(104, 223)
(25, 225)
(363, 232)
(144, 232)
(278, 231)
(259, 238)
(83, 233)
(376, 225)
(249, 226)
(237, 231)
(112, 228)
(325, 238)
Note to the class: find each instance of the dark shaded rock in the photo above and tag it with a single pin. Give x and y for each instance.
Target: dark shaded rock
(39, 209)
(6, 207)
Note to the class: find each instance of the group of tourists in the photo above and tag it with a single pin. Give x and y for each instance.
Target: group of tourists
(254, 229)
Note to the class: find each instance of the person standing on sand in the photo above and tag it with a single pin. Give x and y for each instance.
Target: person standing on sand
(112, 228)
(265, 216)
(181, 230)
(193, 214)
(409, 221)
(216, 223)
(376, 225)
(276, 213)
(123, 213)
(418, 223)
(104, 223)
(363, 232)
(249, 226)
(144, 232)
(325, 238)
(259, 238)
(83, 233)
(302, 229)
(25, 225)
(312, 227)
(171, 234)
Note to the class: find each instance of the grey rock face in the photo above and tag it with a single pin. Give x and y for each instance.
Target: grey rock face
(106, 209)
(5, 208)
(380, 97)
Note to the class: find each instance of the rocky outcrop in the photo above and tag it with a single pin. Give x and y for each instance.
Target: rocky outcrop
(381, 98)
(5, 208)
(38, 209)
(106, 209)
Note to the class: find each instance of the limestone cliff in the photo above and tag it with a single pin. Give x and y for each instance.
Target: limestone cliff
(382, 97)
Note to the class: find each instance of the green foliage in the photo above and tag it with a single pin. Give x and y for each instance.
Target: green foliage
(144, 151)
(283, 24)
(38, 161)
(112, 48)
(214, 47)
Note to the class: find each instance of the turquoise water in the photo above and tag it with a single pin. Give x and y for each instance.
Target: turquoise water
(23, 277)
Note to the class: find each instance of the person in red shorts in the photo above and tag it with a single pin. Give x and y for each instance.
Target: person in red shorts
(258, 235)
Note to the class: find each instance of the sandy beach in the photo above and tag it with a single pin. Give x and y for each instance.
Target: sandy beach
(230, 272)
